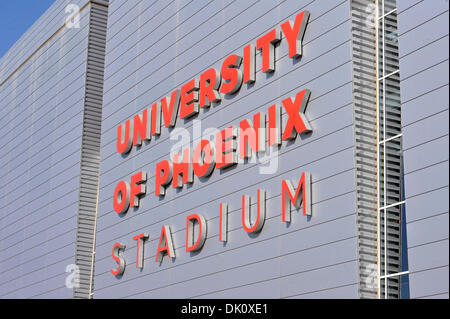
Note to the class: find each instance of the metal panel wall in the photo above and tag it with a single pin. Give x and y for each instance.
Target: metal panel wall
(90, 149)
(423, 44)
(155, 47)
(36, 36)
(365, 121)
(41, 116)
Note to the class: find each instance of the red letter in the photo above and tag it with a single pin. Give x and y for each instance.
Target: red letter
(140, 249)
(164, 179)
(260, 212)
(166, 240)
(294, 35)
(297, 119)
(226, 147)
(124, 137)
(203, 159)
(267, 45)
(189, 99)
(170, 113)
(249, 64)
(209, 84)
(156, 119)
(141, 127)
(184, 167)
(288, 188)
(231, 74)
(115, 255)
(137, 188)
(201, 237)
(274, 125)
(223, 230)
(255, 137)
(121, 198)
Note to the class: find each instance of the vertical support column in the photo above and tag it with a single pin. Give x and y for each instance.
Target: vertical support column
(377, 132)
(363, 13)
(390, 174)
(90, 148)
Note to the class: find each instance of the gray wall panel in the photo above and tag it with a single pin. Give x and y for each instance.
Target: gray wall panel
(425, 81)
(426, 155)
(426, 179)
(41, 119)
(149, 56)
(425, 130)
(428, 256)
(50, 112)
(211, 213)
(349, 291)
(314, 69)
(265, 248)
(326, 126)
(216, 55)
(426, 105)
(431, 29)
(429, 283)
(425, 57)
(419, 231)
(423, 46)
(318, 164)
(436, 296)
(39, 32)
(427, 204)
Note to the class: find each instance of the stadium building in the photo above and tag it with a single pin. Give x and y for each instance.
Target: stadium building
(227, 149)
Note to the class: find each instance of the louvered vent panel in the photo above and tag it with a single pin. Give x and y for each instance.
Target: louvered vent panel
(90, 150)
(365, 126)
(377, 175)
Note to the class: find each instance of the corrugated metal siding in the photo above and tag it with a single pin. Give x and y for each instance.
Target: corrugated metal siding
(423, 43)
(35, 36)
(41, 114)
(365, 121)
(90, 150)
(153, 48)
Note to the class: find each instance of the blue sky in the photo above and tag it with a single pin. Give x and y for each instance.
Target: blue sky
(16, 16)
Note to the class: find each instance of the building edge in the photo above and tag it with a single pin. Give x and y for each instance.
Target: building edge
(90, 150)
(364, 82)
